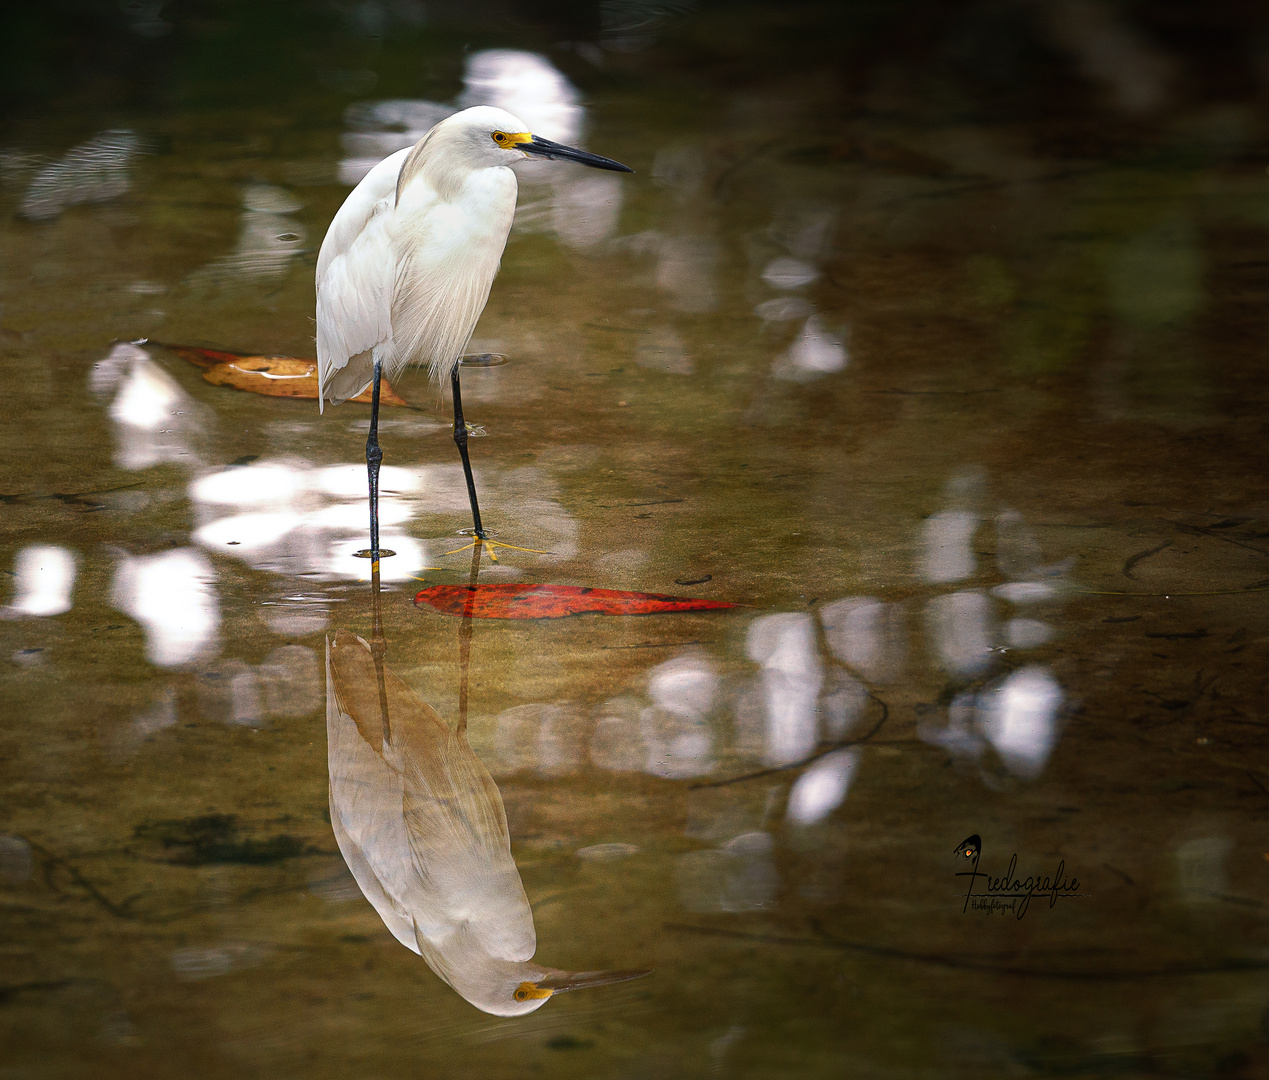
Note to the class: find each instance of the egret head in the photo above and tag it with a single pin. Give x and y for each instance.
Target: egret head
(488, 136)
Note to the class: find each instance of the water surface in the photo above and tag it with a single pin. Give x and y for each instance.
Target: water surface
(931, 336)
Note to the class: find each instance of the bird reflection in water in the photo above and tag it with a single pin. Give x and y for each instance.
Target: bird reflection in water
(422, 827)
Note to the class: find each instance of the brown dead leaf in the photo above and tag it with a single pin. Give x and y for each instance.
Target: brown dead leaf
(274, 376)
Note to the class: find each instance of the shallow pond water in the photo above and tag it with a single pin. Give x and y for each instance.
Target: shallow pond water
(929, 336)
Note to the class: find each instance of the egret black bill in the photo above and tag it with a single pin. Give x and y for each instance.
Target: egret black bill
(556, 152)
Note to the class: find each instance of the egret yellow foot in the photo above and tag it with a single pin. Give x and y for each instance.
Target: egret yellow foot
(487, 546)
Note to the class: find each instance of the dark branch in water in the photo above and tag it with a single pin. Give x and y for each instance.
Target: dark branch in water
(885, 715)
(825, 940)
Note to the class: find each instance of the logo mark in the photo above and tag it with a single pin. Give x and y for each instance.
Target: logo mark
(1010, 891)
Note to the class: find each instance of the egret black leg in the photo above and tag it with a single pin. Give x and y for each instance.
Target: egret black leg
(460, 439)
(374, 457)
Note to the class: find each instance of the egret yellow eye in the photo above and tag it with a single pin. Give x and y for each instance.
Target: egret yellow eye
(501, 137)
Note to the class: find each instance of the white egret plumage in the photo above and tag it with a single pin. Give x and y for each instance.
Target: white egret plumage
(408, 262)
(421, 824)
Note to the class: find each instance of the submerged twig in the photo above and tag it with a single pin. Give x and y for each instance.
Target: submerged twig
(825, 940)
(885, 715)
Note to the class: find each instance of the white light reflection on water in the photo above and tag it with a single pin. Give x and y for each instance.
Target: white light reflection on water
(155, 421)
(822, 788)
(92, 172)
(172, 596)
(286, 685)
(1019, 717)
(947, 548)
(44, 576)
(617, 742)
(540, 738)
(959, 627)
(676, 729)
(293, 518)
(787, 273)
(792, 673)
(269, 239)
(528, 86)
(816, 351)
(866, 635)
(380, 128)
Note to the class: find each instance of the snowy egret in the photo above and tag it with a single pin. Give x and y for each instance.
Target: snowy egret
(407, 264)
(421, 824)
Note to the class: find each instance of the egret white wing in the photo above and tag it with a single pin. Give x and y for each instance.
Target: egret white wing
(356, 271)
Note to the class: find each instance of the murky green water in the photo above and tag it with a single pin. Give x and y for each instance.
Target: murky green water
(934, 338)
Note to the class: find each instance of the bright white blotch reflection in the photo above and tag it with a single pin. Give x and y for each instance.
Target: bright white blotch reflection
(822, 787)
(866, 635)
(537, 737)
(154, 419)
(268, 239)
(815, 351)
(786, 273)
(285, 685)
(1026, 592)
(380, 128)
(959, 627)
(92, 172)
(1027, 633)
(528, 86)
(617, 742)
(946, 542)
(1200, 868)
(292, 518)
(675, 728)
(1019, 717)
(171, 596)
(792, 673)
(44, 577)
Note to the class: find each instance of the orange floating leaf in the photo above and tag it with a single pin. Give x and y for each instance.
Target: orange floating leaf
(529, 601)
(203, 358)
(274, 376)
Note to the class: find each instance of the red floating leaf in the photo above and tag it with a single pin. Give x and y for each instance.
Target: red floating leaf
(529, 601)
